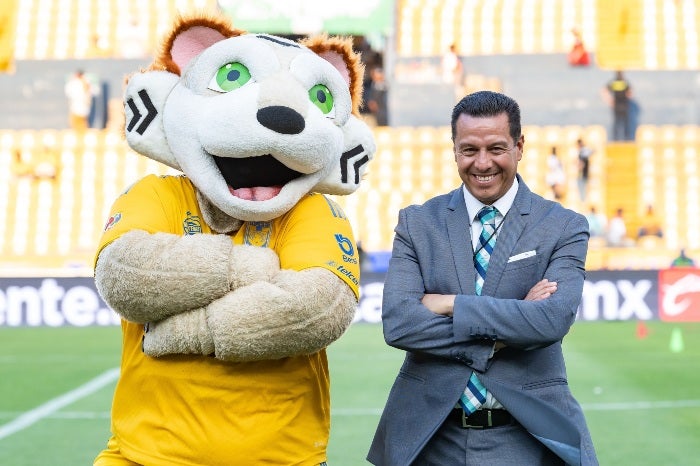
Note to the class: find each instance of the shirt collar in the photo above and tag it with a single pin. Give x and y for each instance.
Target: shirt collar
(503, 204)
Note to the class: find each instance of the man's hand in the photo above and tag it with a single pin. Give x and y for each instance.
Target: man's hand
(442, 304)
(541, 290)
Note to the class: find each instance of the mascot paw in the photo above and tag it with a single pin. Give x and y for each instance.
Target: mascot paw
(185, 333)
(250, 264)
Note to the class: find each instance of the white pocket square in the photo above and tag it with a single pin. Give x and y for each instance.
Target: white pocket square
(522, 255)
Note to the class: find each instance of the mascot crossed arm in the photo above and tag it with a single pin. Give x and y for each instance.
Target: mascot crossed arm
(232, 278)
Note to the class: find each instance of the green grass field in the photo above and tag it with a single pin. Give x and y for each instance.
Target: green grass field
(641, 398)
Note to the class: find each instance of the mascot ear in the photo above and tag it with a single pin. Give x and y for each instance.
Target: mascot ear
(147, 92)
(189, 37)
(358, 150)
(338, 52)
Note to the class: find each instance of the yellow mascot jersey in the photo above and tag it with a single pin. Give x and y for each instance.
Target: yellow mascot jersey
(196, 410)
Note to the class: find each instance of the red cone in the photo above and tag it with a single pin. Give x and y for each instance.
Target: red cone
(642, 330)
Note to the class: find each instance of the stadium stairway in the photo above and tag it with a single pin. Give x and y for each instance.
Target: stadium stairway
(622, 180)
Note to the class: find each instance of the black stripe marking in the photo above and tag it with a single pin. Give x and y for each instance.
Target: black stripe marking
(278, 41)
(345, 160)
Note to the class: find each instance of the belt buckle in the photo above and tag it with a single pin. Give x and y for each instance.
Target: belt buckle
(470, 426)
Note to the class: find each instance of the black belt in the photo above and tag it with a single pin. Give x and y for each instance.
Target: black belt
(482, 418)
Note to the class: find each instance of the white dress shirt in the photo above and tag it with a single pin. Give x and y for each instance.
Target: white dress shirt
(474, 206)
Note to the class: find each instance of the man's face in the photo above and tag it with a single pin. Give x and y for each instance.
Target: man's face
(487, 157)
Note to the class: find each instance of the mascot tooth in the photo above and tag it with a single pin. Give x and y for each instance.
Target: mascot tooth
(232, 278)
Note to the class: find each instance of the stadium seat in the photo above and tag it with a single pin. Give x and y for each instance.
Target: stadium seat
(410, 166)
(482, 27)
(61, 29)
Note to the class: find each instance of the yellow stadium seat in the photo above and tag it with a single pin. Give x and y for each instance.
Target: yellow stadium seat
(689, 135)
(383, 136)
(407, 169)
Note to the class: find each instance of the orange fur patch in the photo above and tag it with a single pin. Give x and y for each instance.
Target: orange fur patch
(342, 46)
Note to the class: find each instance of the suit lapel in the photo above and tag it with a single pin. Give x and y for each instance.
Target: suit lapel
(459, 237)
(508, 236)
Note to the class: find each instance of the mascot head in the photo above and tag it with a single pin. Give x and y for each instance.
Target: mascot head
(255, 121)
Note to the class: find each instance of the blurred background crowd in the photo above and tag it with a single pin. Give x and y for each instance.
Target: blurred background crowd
(609, 91)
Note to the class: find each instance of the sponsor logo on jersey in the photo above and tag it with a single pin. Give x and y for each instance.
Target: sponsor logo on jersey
(347, 247)
(113, 220)
(345, 244)
(258, 233)
(343, 271)
(192, 225)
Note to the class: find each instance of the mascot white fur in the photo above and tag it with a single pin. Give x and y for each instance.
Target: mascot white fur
(233, 278)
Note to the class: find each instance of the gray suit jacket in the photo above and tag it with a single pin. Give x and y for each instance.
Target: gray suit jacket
(432, 253)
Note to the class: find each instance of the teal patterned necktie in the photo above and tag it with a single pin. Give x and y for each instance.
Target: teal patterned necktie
(474, 394)
(484, 248)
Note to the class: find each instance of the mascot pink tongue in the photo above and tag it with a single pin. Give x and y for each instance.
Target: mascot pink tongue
(260, 193)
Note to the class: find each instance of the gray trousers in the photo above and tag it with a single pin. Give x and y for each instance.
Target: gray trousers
(509, 445)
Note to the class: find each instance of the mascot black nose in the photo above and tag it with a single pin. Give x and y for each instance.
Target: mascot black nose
(280, 119)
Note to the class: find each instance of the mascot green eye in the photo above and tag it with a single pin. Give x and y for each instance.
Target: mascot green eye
(321, 97)
(230, 77)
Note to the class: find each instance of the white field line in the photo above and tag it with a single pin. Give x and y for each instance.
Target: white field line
(45, 410)
(62, 415)
(627, 406)
(621, 406)
(47, 413)
(640, 405)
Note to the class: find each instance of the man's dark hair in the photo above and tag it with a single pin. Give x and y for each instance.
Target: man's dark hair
(488, 104)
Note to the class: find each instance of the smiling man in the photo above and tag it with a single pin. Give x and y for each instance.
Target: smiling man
(483, 284)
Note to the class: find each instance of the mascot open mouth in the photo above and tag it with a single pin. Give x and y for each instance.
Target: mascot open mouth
(255, 178)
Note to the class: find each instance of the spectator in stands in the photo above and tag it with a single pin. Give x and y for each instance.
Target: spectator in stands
(37, 165)
(47, 162)
(371, 59)
(21, 168)
(555, 177)
(80, 93)
(365, 265)
(475, 340)
(578, 55)
(683, 260)
(596, 223)
(617, 230)
(99, 110)
(98, 47)
(633, 117)
(453, 70)
(651, 225)
(377, 99)
(368, 58)
(584, 160)
(617, 94)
